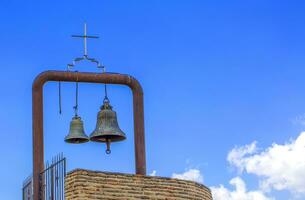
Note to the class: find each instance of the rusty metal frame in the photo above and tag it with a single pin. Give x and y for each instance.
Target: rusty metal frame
(66, 76)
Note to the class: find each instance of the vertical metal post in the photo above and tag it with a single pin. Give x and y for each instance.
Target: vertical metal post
(38, 144)
(52, 182)
(140, 160)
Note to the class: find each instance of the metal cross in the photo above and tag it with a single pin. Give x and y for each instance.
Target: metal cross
(85, 36)
(85, 56)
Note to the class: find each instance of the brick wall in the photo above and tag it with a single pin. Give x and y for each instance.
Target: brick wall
(84, 185)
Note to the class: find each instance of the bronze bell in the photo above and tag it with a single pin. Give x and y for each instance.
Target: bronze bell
(107, 129)
(76, 134)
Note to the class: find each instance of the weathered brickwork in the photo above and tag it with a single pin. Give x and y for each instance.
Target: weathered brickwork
(84, 185)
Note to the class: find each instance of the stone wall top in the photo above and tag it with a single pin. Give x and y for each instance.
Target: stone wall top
(86, 184)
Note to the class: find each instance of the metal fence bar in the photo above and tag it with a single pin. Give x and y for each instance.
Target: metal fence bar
(53, 179)
(27, 189)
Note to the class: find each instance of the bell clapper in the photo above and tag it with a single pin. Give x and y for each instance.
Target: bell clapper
(108, 141)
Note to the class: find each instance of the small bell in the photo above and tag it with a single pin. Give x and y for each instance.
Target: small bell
(107, 129)
(76, 134)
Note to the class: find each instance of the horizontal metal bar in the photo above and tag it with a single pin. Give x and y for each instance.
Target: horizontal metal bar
(52, 165)
(85, 36)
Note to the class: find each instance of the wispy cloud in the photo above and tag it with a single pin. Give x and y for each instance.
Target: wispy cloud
(220, 192)
(239, 193)
(299, 120)
(153, 173)
(191, 175)
(238, 153)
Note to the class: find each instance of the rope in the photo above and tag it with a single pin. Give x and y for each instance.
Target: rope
(59, 97)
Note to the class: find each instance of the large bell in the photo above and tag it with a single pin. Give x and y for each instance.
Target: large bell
(76, 134)
(107, 129)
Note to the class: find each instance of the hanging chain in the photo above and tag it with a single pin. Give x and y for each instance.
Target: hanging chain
(76, 99)
(105, 85)
(106, 94)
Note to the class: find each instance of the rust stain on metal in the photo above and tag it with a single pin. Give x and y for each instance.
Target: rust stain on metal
(111, 78)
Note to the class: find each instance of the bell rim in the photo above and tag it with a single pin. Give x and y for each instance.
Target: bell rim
(115, 138)
(79, 140)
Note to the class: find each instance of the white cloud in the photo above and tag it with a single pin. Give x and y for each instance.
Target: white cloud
(240, 192)
(191, 175)
(238, 153)
(279, 167)
(153, 173)
(222, 193)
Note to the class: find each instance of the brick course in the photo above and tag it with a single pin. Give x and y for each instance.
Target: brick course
(84, 185)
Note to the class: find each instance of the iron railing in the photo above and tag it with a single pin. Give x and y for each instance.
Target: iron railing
(52, 179)
(27, 189)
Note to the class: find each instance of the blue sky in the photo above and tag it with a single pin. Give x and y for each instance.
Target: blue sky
(216, 75)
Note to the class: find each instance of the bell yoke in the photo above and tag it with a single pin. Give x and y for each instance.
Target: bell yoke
(103, 125)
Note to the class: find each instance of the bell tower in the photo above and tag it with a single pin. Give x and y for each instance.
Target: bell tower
(97, 184)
